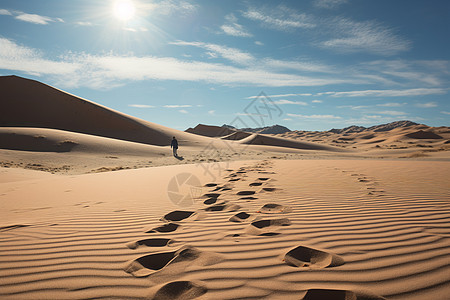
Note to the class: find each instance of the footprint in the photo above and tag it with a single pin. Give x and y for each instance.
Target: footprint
(248, 198)
(176, 261)
(269, 223)
(212, 195)
(234, 179)
(240, 217)
(302, 256)
(177, 215)
(273, 208)
(223, 206)
(169, 227)
(269, 189)
(158, 242)
(210, 184)
(245, 193)
(255, 184)
(263, 178)
(210, 201)
(185, 290)
(320, 294)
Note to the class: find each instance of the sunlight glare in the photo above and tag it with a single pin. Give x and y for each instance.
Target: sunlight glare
(124, 9)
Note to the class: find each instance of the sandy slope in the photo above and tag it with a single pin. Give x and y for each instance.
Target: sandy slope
(264, 230)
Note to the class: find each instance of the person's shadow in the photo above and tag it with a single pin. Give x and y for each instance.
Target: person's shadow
(179, 157)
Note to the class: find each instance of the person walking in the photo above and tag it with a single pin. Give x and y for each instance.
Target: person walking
(174, 146)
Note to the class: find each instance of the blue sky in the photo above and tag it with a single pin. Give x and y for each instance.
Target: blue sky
(322, 63)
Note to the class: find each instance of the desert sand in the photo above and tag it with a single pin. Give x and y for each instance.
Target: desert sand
(97, 208)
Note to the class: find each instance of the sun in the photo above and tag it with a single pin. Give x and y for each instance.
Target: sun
(124, 9)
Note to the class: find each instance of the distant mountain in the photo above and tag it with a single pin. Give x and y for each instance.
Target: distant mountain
(274, 129)
(376, 128)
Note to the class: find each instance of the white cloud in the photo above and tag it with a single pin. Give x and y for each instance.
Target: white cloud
(141, 105)
(388, 93)
(232, 54)
(320, 117)
(36, 19)
(81, 23)
(391, 104)
(259, 43)
(183, 111)
(211, 112)
(427, 105)
(284, 101)
(280, 96)
(391, 113)
(445, 112)
(366, 36)
(107, 71)
(329, 4)
(166, 7)
(317, 101)
(298, 66)
(231, 27)
(177, 106)
(5, 12)
(280, 18)
(430, 72)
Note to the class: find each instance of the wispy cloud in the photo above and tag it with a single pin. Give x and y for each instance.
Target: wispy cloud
(183, 111)
(141, 105)
(280, 18)
(427, 105)
(284, 101)
(167, 7)
(368, 36)
(319, 117)
(391, 104)
(317, 101)
(106, 71)
(36, 19)
(446, 112)
(391, 113)
(388, 93)
(280, 96)
(259, 43)
(329, 4)
(82, 23)
(212, 112)
(5, 12)
(232, 27)
(177, 105)
(232, 54)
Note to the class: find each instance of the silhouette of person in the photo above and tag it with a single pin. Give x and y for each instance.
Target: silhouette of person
(174, 146)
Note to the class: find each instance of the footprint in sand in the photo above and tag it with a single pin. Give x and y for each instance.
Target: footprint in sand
(177, 215)
(255, 184)
(245, 193)
(157, 242)
(248, 198)
(240, 217)
(305, 257)
(266, 227)
(212, 195)
(223, 207)
(210, 201)
(210, 184)
(176, 261)
(269, 189)
(169, 227)
(273, 208)
(263, 178)
(320, 294)
(185, 290)
(234, 179)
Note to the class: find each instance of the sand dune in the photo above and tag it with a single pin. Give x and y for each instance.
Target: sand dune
(28, 103)
(379, 230)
